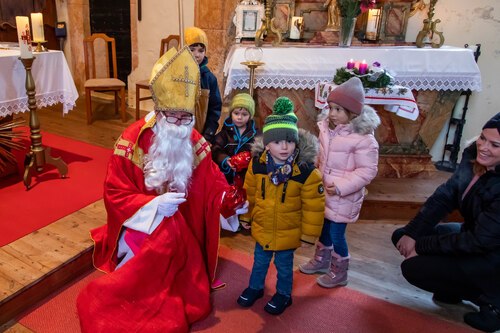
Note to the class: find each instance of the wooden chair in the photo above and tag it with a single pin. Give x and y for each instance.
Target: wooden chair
(166, 44)
(101, 72)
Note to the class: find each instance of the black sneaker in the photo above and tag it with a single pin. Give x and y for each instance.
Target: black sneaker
(249, 296)
(278, 304)
(486, 320)
(446, 299)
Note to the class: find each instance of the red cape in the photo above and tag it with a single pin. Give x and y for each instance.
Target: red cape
(166, 286)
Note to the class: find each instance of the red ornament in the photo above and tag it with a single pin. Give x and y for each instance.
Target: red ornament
(241, 160)
(233, 199)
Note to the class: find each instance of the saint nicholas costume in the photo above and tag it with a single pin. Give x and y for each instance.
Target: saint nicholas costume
(165, 285)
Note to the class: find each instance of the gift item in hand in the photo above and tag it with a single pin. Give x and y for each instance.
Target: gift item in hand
(241, 160)
(233, 199)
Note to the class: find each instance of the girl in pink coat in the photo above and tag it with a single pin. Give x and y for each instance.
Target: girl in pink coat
(348, 161)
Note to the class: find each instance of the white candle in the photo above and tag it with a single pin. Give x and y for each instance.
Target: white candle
(24, 36)
(296, 27)
(37, 26)
(371, 24)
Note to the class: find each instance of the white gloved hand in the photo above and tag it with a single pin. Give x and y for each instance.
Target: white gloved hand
(169, 202)
(243, 209)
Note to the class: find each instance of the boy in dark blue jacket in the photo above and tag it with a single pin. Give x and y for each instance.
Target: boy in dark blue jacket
(210, 104)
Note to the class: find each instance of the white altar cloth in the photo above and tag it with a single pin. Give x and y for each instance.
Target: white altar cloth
(445, 68)
(396, 99)
(53, 82)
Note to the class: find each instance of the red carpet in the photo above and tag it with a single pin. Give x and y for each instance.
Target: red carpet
(314, 309)
(51, 197)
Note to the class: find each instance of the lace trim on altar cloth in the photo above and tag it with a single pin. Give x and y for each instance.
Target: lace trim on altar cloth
(411, 82)
(21, 105)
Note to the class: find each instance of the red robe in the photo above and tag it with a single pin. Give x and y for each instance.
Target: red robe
(166, 286)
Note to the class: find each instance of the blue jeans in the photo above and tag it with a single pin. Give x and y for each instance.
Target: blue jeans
(333, 233)
(283, 260)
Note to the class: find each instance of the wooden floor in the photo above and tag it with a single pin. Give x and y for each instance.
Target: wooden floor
(44, 261)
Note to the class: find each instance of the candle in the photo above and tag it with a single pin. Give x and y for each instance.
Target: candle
(363, 67)
(37, 26)
(24, 36)
(350, 64)
(372, 23)
(296, 27)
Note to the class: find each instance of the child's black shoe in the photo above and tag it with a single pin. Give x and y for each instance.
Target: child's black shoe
(486, 320)
(278, 304)
(249, 296)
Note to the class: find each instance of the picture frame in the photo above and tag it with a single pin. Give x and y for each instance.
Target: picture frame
(283, 11)
(248, 20)
(394, 21)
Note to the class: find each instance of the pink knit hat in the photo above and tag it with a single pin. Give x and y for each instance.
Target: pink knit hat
(350, 95)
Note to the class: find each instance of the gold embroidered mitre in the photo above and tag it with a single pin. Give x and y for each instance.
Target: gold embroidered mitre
(175, 81)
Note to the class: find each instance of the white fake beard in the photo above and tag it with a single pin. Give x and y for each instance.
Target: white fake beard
(170, 158)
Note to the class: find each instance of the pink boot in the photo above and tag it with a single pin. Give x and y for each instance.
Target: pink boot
(320, 263)
(337, 276)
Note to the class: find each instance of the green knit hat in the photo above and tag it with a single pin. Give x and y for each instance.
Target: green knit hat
(243, 100)
(282, 123)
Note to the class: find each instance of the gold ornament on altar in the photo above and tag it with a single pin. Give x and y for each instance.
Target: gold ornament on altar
(429, 33)
(333, 15)
(175, 81)
(268, 27)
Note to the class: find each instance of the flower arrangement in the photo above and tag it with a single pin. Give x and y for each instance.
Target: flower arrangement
(374, 77)
(352, 8)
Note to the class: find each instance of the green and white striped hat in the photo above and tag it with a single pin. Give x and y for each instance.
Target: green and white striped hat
(282, 123)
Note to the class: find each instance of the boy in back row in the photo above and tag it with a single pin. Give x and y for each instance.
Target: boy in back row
(209, 105)
(287, 202)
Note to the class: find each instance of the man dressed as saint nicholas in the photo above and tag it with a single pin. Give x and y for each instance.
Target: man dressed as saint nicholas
(164, 197)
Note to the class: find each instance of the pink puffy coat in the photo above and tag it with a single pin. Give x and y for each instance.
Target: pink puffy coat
(348, 158)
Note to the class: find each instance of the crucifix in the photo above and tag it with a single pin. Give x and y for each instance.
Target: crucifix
(185, 80)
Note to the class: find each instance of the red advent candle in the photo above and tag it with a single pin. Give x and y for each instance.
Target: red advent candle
(363, 67)
(350, 64)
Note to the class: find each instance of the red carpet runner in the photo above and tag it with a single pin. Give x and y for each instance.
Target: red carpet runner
(314, 309)
(51, 197)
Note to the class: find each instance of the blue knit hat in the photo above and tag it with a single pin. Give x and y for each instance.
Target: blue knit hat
(282, 123)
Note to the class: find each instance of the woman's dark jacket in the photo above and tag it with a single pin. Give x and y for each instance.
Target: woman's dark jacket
(477, 246)
(228, 142)
(209, 81)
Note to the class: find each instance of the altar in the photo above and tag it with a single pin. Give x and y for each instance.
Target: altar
(436, 78)
(53, 81)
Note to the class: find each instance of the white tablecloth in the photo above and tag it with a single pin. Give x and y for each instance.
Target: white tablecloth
(396, 99)
(446, 68)
(53, 82)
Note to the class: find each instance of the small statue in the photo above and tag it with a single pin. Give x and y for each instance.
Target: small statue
(333, 15)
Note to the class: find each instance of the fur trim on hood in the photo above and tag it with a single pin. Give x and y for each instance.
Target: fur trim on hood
(365, 123)
(308, 147)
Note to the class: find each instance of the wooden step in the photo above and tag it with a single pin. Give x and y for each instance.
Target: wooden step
(401, 198)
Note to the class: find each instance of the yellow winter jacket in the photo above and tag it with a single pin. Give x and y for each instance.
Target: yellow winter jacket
(283, 215)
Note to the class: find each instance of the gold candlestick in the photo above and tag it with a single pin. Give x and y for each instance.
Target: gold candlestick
(38, 155)
(429, 29)
(39, 47)
(268, 27)
(252, 65)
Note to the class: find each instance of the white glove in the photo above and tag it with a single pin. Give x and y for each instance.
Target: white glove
(243, 209)
(169, 202)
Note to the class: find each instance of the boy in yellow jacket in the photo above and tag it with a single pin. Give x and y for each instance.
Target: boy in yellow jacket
(287, 202)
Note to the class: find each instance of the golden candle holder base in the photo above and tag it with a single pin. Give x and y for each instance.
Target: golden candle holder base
(268, 28)
(38, 155)
(40, 47)
(436, 38)
(252, 65)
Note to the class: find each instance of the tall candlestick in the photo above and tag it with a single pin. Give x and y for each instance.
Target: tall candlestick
(350, 64)
(37, 26)
(24, 36)
(363, 67)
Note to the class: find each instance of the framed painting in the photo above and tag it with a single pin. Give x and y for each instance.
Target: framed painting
(283, 11)
(248, 19)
